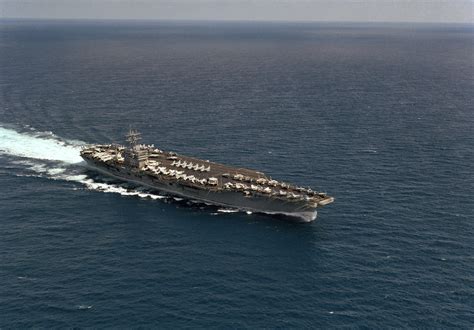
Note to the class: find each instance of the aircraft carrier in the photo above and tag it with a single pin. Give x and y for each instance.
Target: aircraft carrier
(202, 180)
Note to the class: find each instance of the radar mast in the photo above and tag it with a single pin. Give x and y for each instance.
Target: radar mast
(133, 137)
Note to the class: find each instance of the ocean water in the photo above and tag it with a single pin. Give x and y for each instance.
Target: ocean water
(379, 116)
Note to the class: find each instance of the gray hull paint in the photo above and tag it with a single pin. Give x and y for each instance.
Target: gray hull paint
(232, 199)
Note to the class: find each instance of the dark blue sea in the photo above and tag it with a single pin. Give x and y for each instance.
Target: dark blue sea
(379, 116)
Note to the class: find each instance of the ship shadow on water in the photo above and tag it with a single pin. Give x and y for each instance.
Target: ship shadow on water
(111, 185)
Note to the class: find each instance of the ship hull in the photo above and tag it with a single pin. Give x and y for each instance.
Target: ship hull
(231, 199)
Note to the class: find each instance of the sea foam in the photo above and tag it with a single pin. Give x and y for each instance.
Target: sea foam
(38, 146)
(46, 155)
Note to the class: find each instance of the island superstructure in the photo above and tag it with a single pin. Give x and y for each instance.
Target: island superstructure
(202, 180)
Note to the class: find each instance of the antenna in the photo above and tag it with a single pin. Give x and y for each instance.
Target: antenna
(133, 137)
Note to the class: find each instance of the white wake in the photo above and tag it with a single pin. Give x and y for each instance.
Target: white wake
(45, 155)
(37, 145)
